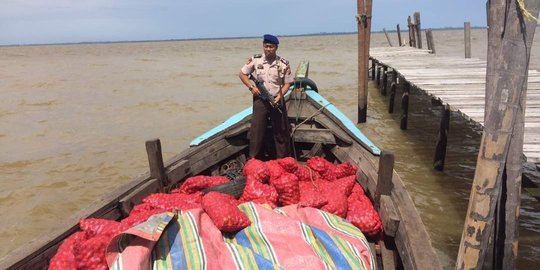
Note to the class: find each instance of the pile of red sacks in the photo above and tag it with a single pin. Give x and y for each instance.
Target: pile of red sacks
(320, 184)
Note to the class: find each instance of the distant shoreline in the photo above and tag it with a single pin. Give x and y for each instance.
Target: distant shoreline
(217, 38)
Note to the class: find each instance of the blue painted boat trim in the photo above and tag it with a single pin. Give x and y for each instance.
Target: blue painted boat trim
(353, 130)
(219, 128)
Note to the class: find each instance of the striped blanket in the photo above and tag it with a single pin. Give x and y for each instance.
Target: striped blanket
(284, 238)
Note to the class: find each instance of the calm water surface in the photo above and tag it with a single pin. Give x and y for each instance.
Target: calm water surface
(74, 119)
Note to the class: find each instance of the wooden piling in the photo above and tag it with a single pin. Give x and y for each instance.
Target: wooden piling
(440, 149)
(405, 106)
(501, 146)
(467, 39)
(387, 37)
(400, 42)
(364, 32)
(155, 161)
(378, 79)
(373, 67)
(429, 40)
(412, 37)
(418, 30)
(384, 80)
(392, 98)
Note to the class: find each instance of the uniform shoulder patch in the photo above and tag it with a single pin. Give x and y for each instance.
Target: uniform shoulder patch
(257, 55)
(284, 61)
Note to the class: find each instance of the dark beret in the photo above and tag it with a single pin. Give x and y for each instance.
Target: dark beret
(270, 39)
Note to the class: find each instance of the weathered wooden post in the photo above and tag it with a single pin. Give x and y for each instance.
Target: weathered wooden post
(405, 106)
(430, 40)
(155, 161)
(384, 179)
(363, 18)
(412, 37)
(392, 98)
(440, 149)
(467, 30)
(373, 67)
(378, 79)
(399, 36)
(418, 30)
(387, 37)
(384, 80)
(499, 160)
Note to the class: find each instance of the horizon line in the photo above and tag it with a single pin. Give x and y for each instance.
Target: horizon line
(213, 38)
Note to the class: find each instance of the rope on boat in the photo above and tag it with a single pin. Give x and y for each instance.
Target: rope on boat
(309, 118)
(311, 176)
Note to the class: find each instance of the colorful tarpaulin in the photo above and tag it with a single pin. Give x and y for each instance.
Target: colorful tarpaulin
(284, 238)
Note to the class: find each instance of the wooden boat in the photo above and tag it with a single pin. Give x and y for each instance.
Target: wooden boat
(318, 128)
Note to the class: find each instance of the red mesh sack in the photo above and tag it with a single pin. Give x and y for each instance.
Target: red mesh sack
(304, 173)
(257, 192)
(345, 169)
(310, 196)
(142, 207)
(362, 214)
(139, 217)
(64, 257)
(357, 189)
(174, 201)
(345, 185)
(222, 210)
(257, 169)
(323, 167)
(337, 203)
(289, 164)
(199, 183)
(90, 254)
(274, 169)
(95, 226)
(287, 189)
(318, 164)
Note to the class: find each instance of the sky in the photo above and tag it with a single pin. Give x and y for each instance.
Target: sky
(72, 21)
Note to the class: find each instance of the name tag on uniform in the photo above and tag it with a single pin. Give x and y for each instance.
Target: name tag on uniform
(260, 66)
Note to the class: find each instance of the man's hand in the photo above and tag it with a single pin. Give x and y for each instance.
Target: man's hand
(255, 91)
(277, 99)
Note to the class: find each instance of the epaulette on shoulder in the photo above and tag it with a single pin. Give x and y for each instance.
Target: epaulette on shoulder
(257, 55)
(284, 61)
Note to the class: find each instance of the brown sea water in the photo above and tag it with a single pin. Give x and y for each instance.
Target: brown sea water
(74, 119)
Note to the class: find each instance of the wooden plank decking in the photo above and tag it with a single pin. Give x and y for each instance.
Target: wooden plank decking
(460, 83)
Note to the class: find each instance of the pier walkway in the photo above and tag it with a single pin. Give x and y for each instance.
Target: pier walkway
(458, 83)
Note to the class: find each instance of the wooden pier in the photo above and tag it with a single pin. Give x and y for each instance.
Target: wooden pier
(458, 83)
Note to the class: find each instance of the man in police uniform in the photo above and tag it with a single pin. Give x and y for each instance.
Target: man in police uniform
(275, 72)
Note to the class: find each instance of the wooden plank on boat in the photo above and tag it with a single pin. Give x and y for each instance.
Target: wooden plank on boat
(155, 161)
(177, 172)
(216, 153)
(388, 257)
(389, 216)
(384, 179)
(237, 130)
(127, 202)
(313, 135)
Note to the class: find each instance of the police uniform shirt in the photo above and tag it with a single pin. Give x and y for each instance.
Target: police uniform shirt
(273, 74)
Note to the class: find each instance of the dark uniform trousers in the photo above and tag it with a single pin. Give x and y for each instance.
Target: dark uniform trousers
(280, 128)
